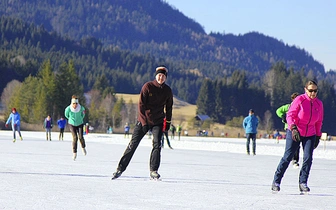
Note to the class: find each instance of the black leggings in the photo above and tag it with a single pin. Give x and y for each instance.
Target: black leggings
(77, 133)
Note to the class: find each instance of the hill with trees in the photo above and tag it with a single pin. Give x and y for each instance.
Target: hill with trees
(154, 27)
(53, 49)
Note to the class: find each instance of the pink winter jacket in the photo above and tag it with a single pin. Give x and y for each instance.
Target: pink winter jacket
(307, 115)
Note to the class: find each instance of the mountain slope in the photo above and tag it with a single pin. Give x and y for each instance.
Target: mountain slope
(154, 27)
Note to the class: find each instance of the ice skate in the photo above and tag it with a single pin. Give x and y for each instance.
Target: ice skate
(296, 165)
(304, 189)
(74, 156)
(14, 140)
(21, 138)
(116, 174)
(275, 187)
(154, 175)
(84, 151)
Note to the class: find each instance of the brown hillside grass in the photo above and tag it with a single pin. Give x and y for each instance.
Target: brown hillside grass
(184, 112)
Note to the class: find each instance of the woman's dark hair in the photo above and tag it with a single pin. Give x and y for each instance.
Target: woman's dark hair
(310, 82)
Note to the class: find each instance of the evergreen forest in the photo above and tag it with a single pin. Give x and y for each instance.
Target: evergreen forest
(51, 50)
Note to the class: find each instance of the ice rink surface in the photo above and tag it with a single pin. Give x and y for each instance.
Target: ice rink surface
(200, 173)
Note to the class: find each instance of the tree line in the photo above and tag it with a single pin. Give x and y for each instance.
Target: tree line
(50, 92)
(227, 100)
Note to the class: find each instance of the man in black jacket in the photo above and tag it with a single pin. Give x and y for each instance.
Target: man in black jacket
(155, 97)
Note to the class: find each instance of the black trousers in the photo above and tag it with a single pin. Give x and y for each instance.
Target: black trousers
(61, 134)
(137, 136)
(77, 133)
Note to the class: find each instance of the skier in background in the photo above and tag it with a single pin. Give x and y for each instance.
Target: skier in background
(15, 118)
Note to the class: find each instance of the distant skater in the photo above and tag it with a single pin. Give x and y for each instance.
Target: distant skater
(165, 134)
(126, 129)
(15, 118)
(61, 125)
(282, 113)
(179, 130)
(250, 125)
(48, 124)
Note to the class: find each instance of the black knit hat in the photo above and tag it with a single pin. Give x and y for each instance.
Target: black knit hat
(162, 70)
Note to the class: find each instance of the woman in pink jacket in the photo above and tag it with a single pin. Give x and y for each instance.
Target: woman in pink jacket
(304, 119)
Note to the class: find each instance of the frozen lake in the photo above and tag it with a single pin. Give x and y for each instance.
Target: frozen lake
(200, 173)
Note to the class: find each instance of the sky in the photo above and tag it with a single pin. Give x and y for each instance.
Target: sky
(199, 173)
(307, 24)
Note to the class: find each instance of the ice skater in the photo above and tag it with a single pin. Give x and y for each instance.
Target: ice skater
(304, 119)
(250, 125)
(281, 112)
(61, 125)
(47, 125)
(165, 134)
(75, 114)
(155, 97)
(15, 118)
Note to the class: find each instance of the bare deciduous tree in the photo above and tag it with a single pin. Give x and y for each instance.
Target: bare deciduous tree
(8, 92)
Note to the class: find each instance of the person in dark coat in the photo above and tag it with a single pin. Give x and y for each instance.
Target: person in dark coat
(48, 124)
(155, 103)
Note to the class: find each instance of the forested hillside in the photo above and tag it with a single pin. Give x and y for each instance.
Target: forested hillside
(114, 46)
(154, 27)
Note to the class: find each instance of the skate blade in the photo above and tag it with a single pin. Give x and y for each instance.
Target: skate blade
(275, 192)
(304, 193)
(155, 179)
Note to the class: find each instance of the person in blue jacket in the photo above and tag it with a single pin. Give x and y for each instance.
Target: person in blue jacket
(61, 125)
(127, 129)
(250, 125)
(15, 118)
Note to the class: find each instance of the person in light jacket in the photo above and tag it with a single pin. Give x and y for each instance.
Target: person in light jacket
(15, 118)
(75, 114)
(304, 119)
